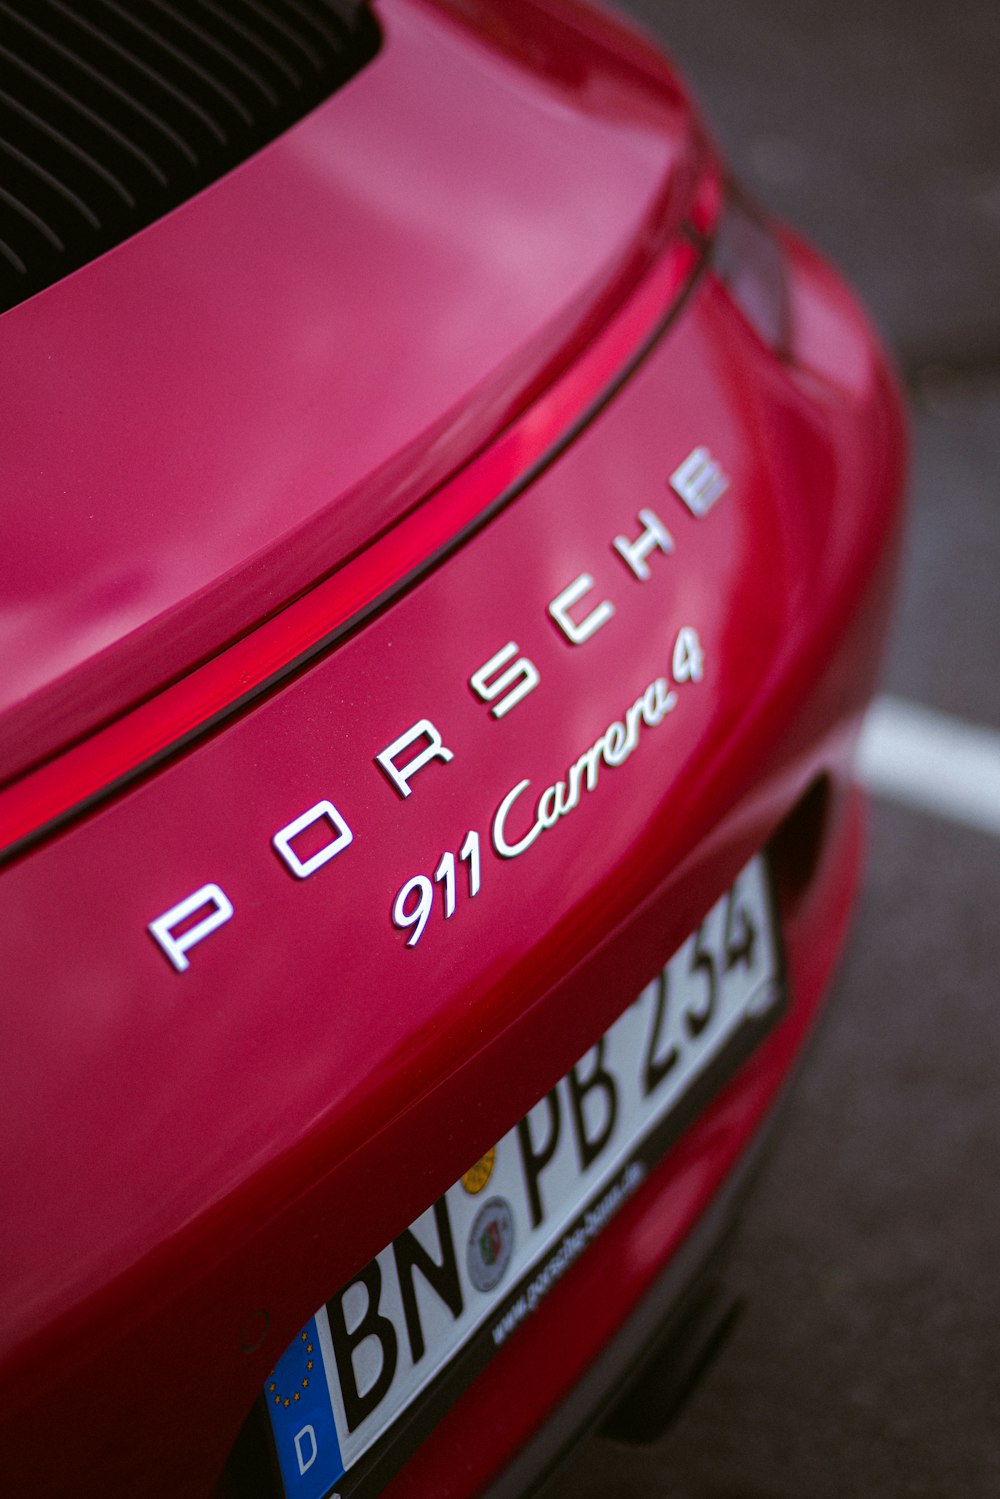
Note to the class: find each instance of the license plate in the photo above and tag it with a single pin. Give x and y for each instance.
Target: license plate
(376, 1366)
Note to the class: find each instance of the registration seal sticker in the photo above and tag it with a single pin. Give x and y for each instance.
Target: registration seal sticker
(477, 1176)
(491, 1244)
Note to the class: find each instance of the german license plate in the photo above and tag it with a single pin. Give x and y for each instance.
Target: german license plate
(376, 1366)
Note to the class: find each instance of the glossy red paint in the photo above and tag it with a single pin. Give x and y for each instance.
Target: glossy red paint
(191, 1162)
(33, 803)
(248, 392)
(223, 1095)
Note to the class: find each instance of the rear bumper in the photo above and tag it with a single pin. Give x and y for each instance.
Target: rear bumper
(645, 1372)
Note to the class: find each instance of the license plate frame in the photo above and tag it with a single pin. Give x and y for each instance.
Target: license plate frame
(488, 1251)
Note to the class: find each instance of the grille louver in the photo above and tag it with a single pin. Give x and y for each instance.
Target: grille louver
(112, 112)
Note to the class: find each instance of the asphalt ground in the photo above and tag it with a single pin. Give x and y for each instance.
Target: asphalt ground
(867, 1360)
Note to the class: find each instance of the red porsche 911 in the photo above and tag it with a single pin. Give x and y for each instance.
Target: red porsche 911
(448, 538)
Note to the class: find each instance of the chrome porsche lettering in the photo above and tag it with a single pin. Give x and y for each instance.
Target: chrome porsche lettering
(634, 553)
(317, 835)
(283, 840)
(699, 481)
(510, 686)
(613, 748)
(401, 775)
(176, 937)
(577, 631)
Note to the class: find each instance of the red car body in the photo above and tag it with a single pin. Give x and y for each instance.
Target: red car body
(282, 473)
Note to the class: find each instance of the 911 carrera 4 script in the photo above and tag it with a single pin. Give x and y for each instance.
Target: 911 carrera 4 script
(377, 1366)
(188, 923)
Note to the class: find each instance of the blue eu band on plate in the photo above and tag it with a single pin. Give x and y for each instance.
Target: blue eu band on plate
(456, 1284)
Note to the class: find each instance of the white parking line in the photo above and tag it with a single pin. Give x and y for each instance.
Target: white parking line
(932, 761)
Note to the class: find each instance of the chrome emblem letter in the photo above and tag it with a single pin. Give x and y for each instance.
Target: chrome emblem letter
(699, 482)
(176, 947)
(400, 775)
(282, 841)
(563, 602)
(634, 553)
(523, 673)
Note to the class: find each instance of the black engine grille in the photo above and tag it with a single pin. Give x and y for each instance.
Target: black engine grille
(114, 111)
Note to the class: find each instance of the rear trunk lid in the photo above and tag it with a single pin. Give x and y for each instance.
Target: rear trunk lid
(214, 415)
